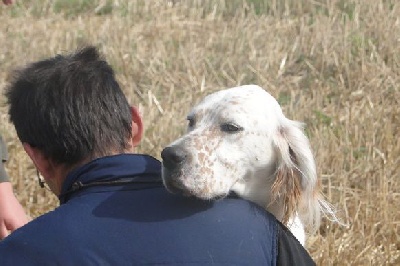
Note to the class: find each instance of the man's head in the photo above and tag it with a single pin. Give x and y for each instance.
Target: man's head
(70, 109)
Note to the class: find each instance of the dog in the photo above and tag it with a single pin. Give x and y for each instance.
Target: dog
(238, 140)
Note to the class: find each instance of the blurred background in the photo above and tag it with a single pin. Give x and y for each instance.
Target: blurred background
(333, 64)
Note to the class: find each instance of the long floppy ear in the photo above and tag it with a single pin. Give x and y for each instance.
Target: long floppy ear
(296, 183)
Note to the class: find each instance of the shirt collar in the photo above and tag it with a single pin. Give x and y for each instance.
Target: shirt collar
(110, 168)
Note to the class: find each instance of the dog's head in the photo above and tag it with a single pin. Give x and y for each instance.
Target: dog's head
(239, 140)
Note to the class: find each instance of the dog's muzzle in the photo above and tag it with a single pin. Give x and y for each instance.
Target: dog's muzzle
(173, 158)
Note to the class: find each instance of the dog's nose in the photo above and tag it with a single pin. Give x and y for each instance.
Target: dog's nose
(172, 156)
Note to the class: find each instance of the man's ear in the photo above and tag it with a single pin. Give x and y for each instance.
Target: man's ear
(137, 126)
(41, 162)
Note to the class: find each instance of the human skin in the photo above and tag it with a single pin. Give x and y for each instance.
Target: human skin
(12, 215)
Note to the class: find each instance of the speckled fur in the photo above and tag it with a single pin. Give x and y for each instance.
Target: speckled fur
(268, 162)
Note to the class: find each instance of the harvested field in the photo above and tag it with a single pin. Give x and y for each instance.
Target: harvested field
(334, 64)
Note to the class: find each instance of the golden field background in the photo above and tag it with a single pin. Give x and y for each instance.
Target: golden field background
(334, 64)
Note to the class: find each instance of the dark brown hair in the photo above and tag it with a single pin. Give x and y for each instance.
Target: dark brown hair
(70, 107)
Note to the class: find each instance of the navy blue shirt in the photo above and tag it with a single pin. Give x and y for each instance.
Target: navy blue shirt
(115, 211)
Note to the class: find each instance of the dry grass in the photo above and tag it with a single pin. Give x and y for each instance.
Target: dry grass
(334, 64)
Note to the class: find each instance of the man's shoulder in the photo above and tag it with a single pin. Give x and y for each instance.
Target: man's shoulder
(31, 244)
(159, 204)
(44, 227)
(242, 210)
(290, 251)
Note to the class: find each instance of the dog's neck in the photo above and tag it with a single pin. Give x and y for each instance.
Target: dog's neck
(257, 188)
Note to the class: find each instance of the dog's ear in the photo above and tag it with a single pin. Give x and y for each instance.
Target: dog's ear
(296, 184)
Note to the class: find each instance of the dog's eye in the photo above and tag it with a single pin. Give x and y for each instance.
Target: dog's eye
(231, 128)
(191, 121)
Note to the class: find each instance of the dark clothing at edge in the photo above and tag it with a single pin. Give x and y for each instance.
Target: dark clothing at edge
(115, 211)
(3, 159)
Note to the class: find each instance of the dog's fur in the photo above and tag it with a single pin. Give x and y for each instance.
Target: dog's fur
(239, 140)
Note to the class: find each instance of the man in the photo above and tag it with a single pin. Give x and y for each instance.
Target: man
(12, 215)
(77, 127)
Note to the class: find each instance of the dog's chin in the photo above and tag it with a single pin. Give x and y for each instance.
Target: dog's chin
(208, 195)
(173, 186)
(173, 182)
(174, 189)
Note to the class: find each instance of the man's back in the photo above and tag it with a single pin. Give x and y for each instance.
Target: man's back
(142, 227)
(142, 224)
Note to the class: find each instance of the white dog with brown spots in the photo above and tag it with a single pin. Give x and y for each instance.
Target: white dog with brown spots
(239, 140)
